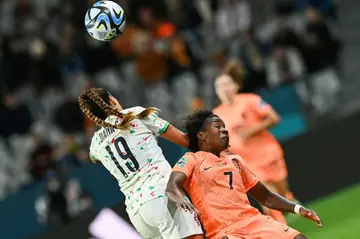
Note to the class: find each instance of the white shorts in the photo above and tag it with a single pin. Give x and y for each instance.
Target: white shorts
(161, 219)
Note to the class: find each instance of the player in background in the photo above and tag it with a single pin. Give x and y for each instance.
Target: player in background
(248, 119)
(217, 184)
(126, 144)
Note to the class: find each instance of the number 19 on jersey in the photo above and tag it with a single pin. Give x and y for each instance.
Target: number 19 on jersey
(119, 157)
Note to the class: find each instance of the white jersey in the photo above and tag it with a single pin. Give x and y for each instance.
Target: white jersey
(134, 158)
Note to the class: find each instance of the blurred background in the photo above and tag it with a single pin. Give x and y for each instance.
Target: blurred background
(299, 55)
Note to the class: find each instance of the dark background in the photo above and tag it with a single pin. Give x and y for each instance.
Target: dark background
(324, 160)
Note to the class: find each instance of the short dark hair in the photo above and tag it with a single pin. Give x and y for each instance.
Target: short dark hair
(193, 124)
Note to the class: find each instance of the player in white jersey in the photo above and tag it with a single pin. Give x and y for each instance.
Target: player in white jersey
(127, 146)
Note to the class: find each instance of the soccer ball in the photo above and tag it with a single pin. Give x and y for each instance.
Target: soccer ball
(105, 20)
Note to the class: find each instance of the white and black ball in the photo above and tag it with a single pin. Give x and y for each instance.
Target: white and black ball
(105, 20)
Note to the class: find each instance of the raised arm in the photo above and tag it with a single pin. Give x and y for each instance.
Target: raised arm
(164, 129)
(277, 202)
(175, 136)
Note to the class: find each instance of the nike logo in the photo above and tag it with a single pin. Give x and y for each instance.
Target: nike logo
(285, 227)
(208, 168)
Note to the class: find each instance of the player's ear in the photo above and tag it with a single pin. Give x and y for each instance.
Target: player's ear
(114, 103)
(201, 135)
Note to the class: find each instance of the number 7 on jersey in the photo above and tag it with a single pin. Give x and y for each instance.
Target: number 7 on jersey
(230, 174)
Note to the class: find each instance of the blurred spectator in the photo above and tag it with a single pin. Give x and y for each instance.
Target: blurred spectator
(78, 200)
(326, 7)
(70, 60)
(72, 11)
(41, 160)
(63, 201)
(288, 37)
(184, 14)
(159, 51)
(15, 65)
(69, 118)
(284, 65)
(15, 118)
(190, 17)
(71, 153)
(44, 64)
(321, 49)
(254, 62)
(122, 46)
(56, 203)
(205, 10)
(95, 50)
(232, 17)
(22, 10)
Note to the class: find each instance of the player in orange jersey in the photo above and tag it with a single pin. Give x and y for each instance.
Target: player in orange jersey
(217, 184)
(248, 118)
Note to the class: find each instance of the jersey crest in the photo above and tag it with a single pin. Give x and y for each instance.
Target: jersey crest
(236, 163)
(181, 163)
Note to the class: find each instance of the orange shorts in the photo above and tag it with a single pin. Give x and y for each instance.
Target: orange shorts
(274, 171)
(263, 227)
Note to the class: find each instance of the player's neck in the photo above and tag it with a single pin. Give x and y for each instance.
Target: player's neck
(229, 101)
(214, 153)
(206, 148)
(217, 154)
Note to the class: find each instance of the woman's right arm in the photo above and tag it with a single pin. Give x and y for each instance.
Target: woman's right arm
(175, 183)
(176, 136)
(182, 171)
(164, 129)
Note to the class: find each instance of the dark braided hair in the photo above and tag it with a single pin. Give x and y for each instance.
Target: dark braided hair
(95, 103)
(194, 124)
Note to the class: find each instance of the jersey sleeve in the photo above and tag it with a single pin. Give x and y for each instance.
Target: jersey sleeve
(186, 164)
(93, 149)
(249, 178)
(260, 107)
(156, 124)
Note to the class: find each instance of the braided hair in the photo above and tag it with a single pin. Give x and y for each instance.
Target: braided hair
(95, 103)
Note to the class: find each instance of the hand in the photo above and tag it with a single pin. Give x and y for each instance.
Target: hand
(311, 215)
(184, 203)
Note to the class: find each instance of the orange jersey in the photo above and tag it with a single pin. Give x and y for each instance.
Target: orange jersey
(217, 187)
(247, 111)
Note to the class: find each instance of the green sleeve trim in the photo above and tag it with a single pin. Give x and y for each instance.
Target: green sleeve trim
(164, 128)
(93, 157)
